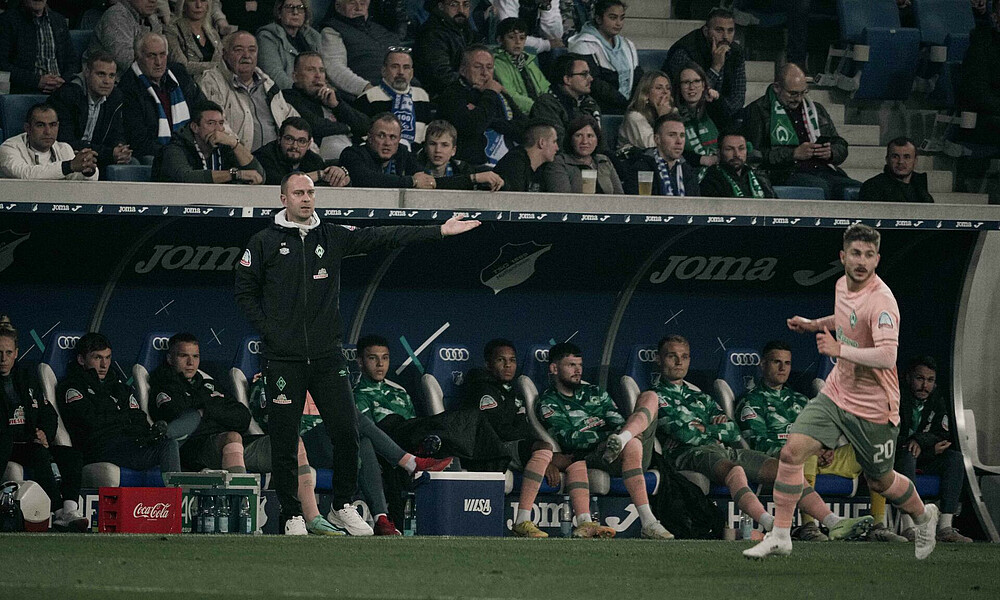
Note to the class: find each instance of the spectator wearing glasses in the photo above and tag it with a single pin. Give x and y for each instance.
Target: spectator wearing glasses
(354, 47)
(334, 122)
(613, 61)
(281, 41)
(440, 44)
(570, 97)
(194, 41)
(395, 94)
(517, 70)
(204, 152)
(796, 136)
(701, 133)
(35, 48)
(290, 153)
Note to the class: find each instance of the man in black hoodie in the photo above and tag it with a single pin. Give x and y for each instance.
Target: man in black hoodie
(288, 286)
(440, 44)
(90, 111)
(897, 182)
(490, 392)
(28, 430)
(103, 416)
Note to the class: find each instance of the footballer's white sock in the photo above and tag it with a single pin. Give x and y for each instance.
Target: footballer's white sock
(830, 520)
(766, 521)
(646, 515)
(522, 515)
(583, 518)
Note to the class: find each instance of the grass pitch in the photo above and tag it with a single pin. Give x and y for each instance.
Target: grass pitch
(103, 566)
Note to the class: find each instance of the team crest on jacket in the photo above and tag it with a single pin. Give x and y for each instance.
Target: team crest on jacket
(245, 261)
(282, 399)
(547, 412)
(487, 402)
(885, 320)
(18, 417)
(748, 413)
(161, 399)
(320, 252)
(283, 251)
(72, 395)
(132, 402)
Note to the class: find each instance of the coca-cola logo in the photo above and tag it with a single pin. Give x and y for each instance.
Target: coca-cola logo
(160, 510)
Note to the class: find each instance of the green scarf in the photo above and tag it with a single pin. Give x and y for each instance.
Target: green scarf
(782, 130)
(755, 189)
(701, 136)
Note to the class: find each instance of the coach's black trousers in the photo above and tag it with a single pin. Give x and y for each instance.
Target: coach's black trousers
(328, 383)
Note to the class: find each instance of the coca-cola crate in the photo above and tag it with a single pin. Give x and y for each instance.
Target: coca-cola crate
(139, 510)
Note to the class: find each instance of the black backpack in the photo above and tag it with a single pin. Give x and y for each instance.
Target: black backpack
(681, 506)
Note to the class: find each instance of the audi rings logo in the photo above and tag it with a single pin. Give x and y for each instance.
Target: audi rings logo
(744, 359)
(542, 355)
(67, 342)
(160, 343)
(647, 355)
(350, 354)
(453, 354)
(253, 346)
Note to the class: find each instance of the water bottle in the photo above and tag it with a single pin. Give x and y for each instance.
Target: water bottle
(409, 517)
(245, 522)
(56, 474)
(207, 514)
(565, 518)
(746, 526)
(222, 517)
(595, 514)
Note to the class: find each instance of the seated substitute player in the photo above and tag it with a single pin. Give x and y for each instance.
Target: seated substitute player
(926, 440)
(700, 437)
(28, 430)
(765, 413)
(586, 424)
(490, 391)
(859, 401)
(103, 417)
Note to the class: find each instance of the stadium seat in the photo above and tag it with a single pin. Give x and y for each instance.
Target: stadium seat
(937, 20)
(826, 365)
(738, 372)
(641, 373)
(246, 364)
(799, 192)
(13, 472)
(128, 173)
(851, 194)
(527, 390)
(152, 353)
(651, 60)
(610, 125)
(834, 485)
(319, 9)
(446, 369)
(80, 38)
(969, 437)
(13, 108)
(880, 58)
(55, 360)
(535, 365)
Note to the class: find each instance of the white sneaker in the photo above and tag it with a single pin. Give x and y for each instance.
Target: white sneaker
(70, 519)
(350, 521)
(296, 526)
(772, 545)
(613, 448)
(927, 532)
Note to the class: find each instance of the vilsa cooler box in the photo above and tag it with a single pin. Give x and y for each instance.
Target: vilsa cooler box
(139, 510)
(455, 503)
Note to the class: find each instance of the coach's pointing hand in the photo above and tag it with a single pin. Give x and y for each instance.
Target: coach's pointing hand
(457, 225)
(826, 344)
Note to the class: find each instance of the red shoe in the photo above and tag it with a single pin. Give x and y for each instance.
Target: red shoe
(383, 526)
(432, 464)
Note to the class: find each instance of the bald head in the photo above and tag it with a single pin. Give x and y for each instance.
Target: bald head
(791, 85)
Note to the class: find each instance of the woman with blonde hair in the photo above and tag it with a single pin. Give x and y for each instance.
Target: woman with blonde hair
(651, 99)
(192, 38)
(290, 34)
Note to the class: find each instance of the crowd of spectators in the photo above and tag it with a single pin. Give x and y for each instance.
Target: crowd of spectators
(491, 74)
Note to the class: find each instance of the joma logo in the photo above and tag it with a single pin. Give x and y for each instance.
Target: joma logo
(716, 268)
(199, 258)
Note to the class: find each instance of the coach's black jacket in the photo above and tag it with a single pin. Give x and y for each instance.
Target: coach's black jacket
(170, 394)
(97, 412)
(288, 286)
(30, 411)
(499, 403)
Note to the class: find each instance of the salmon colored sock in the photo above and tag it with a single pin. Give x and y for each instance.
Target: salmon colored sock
(904, 496)
(307, 486)
(232, 458)
(641, 417)
(787, 491)
(739, 489)
(632, 473)
(578, 487)
(534, 471)
(812, 504)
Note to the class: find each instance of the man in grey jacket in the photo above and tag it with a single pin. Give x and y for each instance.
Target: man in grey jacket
(121, 25)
